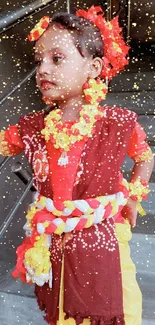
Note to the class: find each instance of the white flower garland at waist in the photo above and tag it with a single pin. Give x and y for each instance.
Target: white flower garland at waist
(44, 219)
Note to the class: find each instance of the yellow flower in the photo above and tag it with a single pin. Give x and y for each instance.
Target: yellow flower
(31, 212)
(47, 132)
(62, 140)
(38, 257)
(116, 47)
(84, 128)
(73, 138)
(55, 114)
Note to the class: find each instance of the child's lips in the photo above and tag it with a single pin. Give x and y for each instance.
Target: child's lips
(46, 85)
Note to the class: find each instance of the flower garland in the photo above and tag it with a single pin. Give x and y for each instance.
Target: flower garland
(115, 49)
(46, 217)
(64, 137)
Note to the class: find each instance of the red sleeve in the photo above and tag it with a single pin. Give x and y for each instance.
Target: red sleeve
(139, 150)
(11, 143)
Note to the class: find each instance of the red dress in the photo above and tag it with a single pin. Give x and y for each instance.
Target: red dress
(138, 150)
(70, 176)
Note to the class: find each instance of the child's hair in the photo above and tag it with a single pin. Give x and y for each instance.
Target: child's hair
(86, 36)
(93, 36)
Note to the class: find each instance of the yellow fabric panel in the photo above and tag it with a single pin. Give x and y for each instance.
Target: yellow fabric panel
(132, 298)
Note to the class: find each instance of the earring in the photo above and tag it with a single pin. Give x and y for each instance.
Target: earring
(95, 91)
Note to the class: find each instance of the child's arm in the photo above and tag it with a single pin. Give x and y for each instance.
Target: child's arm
(142, 155)
(10, 141)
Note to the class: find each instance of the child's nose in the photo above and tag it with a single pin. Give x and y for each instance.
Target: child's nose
(45, 67)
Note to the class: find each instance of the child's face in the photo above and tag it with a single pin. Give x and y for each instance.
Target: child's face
(61, 70)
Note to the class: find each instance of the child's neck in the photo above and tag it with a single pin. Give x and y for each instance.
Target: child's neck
(70, 108)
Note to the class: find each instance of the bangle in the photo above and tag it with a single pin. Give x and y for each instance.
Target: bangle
(147, 155)
(138, 191)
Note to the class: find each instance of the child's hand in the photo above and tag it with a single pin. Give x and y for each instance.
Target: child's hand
(130, 212)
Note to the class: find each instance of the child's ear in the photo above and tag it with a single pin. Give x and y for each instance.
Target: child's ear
(95, 67)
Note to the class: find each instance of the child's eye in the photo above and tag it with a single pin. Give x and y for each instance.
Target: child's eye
(37, 62)
(57, 58)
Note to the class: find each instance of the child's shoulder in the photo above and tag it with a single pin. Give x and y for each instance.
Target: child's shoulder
(33, 121)
(33, 116)
(119, 114)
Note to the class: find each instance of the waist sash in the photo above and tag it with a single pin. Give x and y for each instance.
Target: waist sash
(46, 217)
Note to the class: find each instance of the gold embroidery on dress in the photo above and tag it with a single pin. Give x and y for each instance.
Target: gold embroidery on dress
(145, 156)
(4, 147)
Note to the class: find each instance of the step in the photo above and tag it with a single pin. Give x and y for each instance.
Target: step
(133, 81)
(148, 322)
(15, 309)
(140, 102)
(143, 255)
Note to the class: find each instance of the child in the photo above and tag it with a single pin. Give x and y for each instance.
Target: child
(76, 250)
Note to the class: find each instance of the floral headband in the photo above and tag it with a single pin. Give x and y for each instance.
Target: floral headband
(115, 49)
